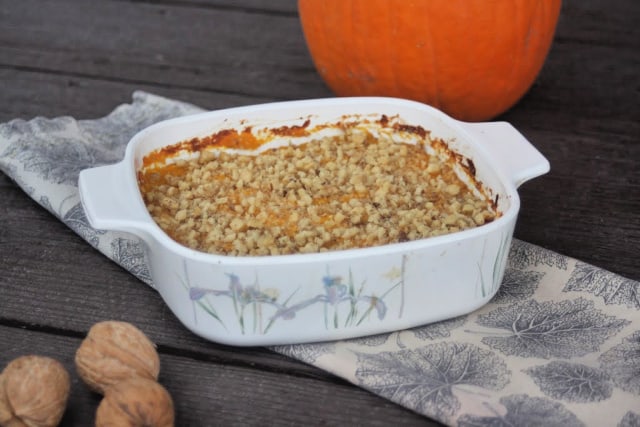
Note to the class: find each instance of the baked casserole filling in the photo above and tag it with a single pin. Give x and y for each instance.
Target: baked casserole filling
(353, 190)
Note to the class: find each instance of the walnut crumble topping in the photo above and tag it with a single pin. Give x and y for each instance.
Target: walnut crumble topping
(340, 192)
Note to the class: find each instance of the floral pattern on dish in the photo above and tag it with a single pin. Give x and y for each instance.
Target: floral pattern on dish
(258, 308)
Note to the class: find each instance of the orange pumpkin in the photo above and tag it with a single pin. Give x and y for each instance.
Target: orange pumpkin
(473, 59)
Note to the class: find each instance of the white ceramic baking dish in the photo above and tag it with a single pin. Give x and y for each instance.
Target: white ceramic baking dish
(265, 300)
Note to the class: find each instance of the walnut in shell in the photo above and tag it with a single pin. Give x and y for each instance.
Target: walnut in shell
(113, 352)
(136, 402)
(33, 392)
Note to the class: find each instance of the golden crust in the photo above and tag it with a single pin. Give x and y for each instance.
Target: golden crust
(341, 192)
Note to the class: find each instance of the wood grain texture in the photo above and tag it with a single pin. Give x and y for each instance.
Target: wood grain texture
(27, 94)
(203, 48)
(72, 57)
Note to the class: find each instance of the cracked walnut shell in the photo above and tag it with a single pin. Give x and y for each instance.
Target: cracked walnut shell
(33, 392)
(113, 352)
(136, 402)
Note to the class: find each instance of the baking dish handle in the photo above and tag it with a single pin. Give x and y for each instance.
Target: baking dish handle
(516, 156)
(109, 201)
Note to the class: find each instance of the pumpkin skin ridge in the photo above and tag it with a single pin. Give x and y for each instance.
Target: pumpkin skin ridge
(437, 74)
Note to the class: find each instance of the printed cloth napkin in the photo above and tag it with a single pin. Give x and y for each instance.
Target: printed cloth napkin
(559, 345)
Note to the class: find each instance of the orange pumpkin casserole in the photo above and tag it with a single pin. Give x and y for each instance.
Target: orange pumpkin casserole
(355, 189)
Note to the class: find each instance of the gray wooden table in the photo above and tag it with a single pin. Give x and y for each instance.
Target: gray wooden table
(82, 58)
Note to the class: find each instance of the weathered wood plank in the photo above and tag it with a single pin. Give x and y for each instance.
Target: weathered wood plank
(590, 84)
(252, 54)
(208, 393)
(289, 7)
(27, 94)
(600, 22)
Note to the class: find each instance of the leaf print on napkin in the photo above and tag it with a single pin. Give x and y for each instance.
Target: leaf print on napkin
(113, 132)
(565, 329)
(523, 410)
(438, 330)
(53, 150)
(307, 352)
(517, 285)
(18, 127)
(572, 382)
(622, 363)
(58, 149)
(371, 340)
(130, 254)
(76, 220)
(424, 378)
(523, 255)
(630, 419)
(613, 289)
